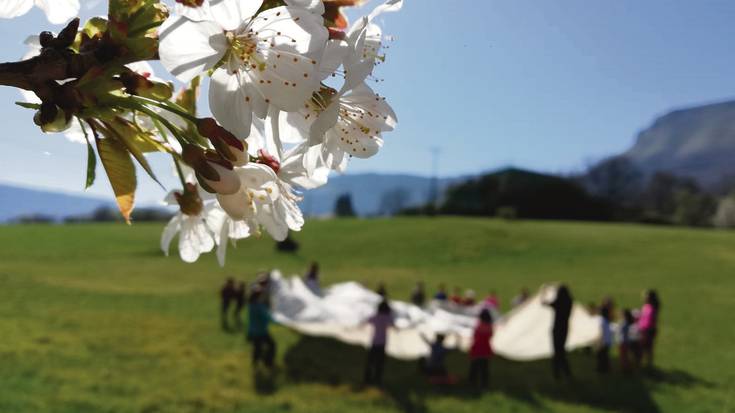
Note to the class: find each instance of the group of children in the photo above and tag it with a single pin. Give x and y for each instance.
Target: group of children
(468, 299)
(635, 334)
(433, 366)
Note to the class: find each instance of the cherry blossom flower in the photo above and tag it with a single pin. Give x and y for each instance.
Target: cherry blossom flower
(340, 126)
(57, 11)
(194, 222)
(261, 60)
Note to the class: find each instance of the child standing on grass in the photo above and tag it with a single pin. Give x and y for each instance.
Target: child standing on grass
(481, 351)
(259, 317)
(381, 321)
(434, 366)
(648, 325)
(629, 345)
(606, 339)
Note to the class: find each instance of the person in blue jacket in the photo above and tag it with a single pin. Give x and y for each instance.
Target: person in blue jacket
(259, 317)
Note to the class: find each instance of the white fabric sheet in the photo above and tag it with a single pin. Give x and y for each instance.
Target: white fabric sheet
(523, 334)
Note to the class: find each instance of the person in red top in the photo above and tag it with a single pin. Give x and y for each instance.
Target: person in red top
(481, 351)
(456, 296)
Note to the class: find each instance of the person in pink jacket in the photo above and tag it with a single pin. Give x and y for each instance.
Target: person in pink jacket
(648, 325)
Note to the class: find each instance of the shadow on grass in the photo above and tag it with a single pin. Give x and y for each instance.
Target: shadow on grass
(331, 362)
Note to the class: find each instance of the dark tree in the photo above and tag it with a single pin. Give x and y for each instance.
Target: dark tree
(343, 206)
(527, 194)
(616, 179)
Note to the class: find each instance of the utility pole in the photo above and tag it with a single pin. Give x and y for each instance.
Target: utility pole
(434, 183)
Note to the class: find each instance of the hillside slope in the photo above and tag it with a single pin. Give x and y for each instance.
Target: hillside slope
(698, 142)
(17, 201)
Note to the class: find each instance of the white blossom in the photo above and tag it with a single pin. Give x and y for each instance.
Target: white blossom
(57, 11)
(264, 59)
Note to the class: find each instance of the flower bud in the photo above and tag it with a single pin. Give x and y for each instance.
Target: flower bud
(213, 172)
(269, 160)
(189, 200)
(336, 34)
(224, 142)
(139, 85)
(51, 119)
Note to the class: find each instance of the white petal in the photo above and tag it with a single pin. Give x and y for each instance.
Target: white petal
(274, 146)
(326, 120)
(293, 127)
(59, 11)
(14, 8)
(354, 141)
(170, 198)
(194, 239)
(169, 232)
(276, 226)
(334, 54)
(239, 229)
(388, 6)
(189, 48)
(230, 14)
(314, 6)
(195, 13)
(257, 176)
(228, 182)
(237, 206)
(214, 217)
(300, 31)
(229, 103)
(293, 170)
(224, 238)
(374, 112)
(257, 139)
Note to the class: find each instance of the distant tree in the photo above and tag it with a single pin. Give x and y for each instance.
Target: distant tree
(151, 215)
(343, 206)
(659, 198)
(616, 179)
(34, 219)
(105, 214)
(694, 208)
(393, 201)
(529, 194)
(725, 215)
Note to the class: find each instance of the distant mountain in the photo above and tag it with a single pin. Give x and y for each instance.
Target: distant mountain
(698, 142)
(371, 195)
(17, 201)
(372, 192)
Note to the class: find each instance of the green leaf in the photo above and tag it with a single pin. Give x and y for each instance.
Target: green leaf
(121, 173)
(27, 105)
(91, 159)
(91, 166)
(131, 136)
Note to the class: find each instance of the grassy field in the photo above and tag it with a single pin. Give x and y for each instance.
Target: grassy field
(93, 318)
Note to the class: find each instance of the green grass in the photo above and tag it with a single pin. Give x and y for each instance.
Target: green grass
(94, 319)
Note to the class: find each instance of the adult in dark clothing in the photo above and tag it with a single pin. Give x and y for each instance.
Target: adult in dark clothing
(382, 290)
(227, 296)
(418, 295)
(562, 306)
(239, 296)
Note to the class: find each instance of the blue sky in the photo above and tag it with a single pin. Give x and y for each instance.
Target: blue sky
(546, 85)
